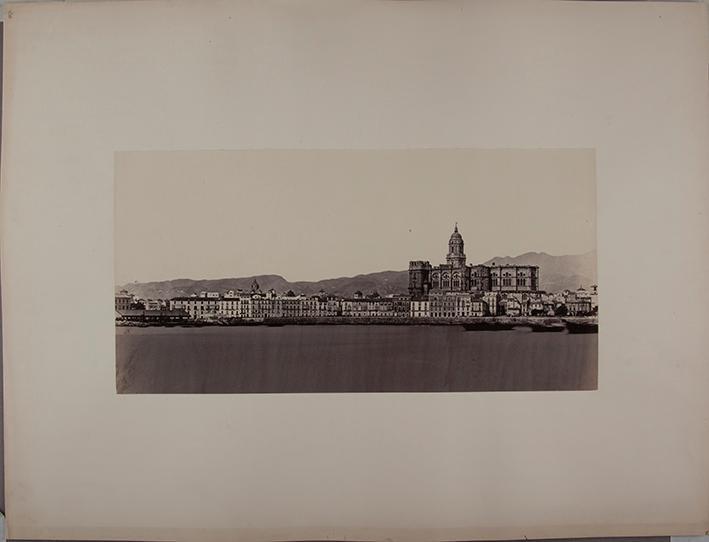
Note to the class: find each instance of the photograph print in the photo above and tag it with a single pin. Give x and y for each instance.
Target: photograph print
(343, 271)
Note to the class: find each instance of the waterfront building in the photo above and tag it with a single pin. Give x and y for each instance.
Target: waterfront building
(401, 305)
(513, 307)
(457, 276)
(229, 307)
(381, 307)
(478, 307)
(492, 300)
(123, 300)
(594, 296)
(333, 306)
(308, 307)
(372, 307)
(442, 305)
(246, 306)
(524, 300)
(421, 308)
(354, 307)
(328, 305)
(196, 307)
(537, 308)
(152, 315)
(578, 306)
(463, 305)
(153, 304)
(271, 305)
(290, 306)
(457, 305)
(264, 306)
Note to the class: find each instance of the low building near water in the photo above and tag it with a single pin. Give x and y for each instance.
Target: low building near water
(368, 307)
(578, 306)
(513, 307)
(492, 300)
(154, 304)
(229, 307)
(420, 308)
(123, 300)
(152, 315)
(196, 307)
(457, 305)
(401, 305)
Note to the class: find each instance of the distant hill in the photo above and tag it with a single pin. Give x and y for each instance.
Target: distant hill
(557, 273)
(384, 282)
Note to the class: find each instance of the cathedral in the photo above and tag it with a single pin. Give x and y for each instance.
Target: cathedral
(456, 276)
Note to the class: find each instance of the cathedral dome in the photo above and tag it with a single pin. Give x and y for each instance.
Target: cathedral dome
(456, 256)
(456, 235)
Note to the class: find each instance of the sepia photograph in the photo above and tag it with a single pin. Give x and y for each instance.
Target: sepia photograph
(321, 271)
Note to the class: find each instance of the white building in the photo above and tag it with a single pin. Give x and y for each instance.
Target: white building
(492, 299)
(513, 307)
(153, 304)
(421, 308)
(229, 307)
(197, 307)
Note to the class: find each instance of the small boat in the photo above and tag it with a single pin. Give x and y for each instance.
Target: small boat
(582, 327)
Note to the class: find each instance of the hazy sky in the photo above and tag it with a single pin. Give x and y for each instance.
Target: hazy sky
(308, 215)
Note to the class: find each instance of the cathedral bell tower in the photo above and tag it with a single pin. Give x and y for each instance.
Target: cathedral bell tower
(456, 256)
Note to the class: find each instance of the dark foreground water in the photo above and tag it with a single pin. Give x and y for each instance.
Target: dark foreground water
(350, 358)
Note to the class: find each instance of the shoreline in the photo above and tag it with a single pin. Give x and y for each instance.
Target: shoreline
(485, 322)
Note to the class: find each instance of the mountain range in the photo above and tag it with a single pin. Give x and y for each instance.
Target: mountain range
(556, 273)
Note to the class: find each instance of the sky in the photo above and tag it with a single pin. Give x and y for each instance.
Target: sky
(315, 214)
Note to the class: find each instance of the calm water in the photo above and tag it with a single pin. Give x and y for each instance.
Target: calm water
(372, 358)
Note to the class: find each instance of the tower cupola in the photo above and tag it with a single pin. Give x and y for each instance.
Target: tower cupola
(456, 255)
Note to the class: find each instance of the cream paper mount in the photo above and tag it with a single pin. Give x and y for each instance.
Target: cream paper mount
(87, 81)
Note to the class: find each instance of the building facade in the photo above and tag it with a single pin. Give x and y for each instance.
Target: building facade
(457, 305)
(197, 307)
(123, 300)
(456, 276)
(451, 290)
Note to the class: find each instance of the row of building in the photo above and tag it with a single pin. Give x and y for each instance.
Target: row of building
(258, 305)
(450, 290)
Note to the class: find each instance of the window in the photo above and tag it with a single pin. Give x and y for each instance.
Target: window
(506, 282)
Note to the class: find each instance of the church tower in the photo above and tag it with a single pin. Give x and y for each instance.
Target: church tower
(456, 256)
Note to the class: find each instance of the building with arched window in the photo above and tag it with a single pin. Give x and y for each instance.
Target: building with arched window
(455, 275)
